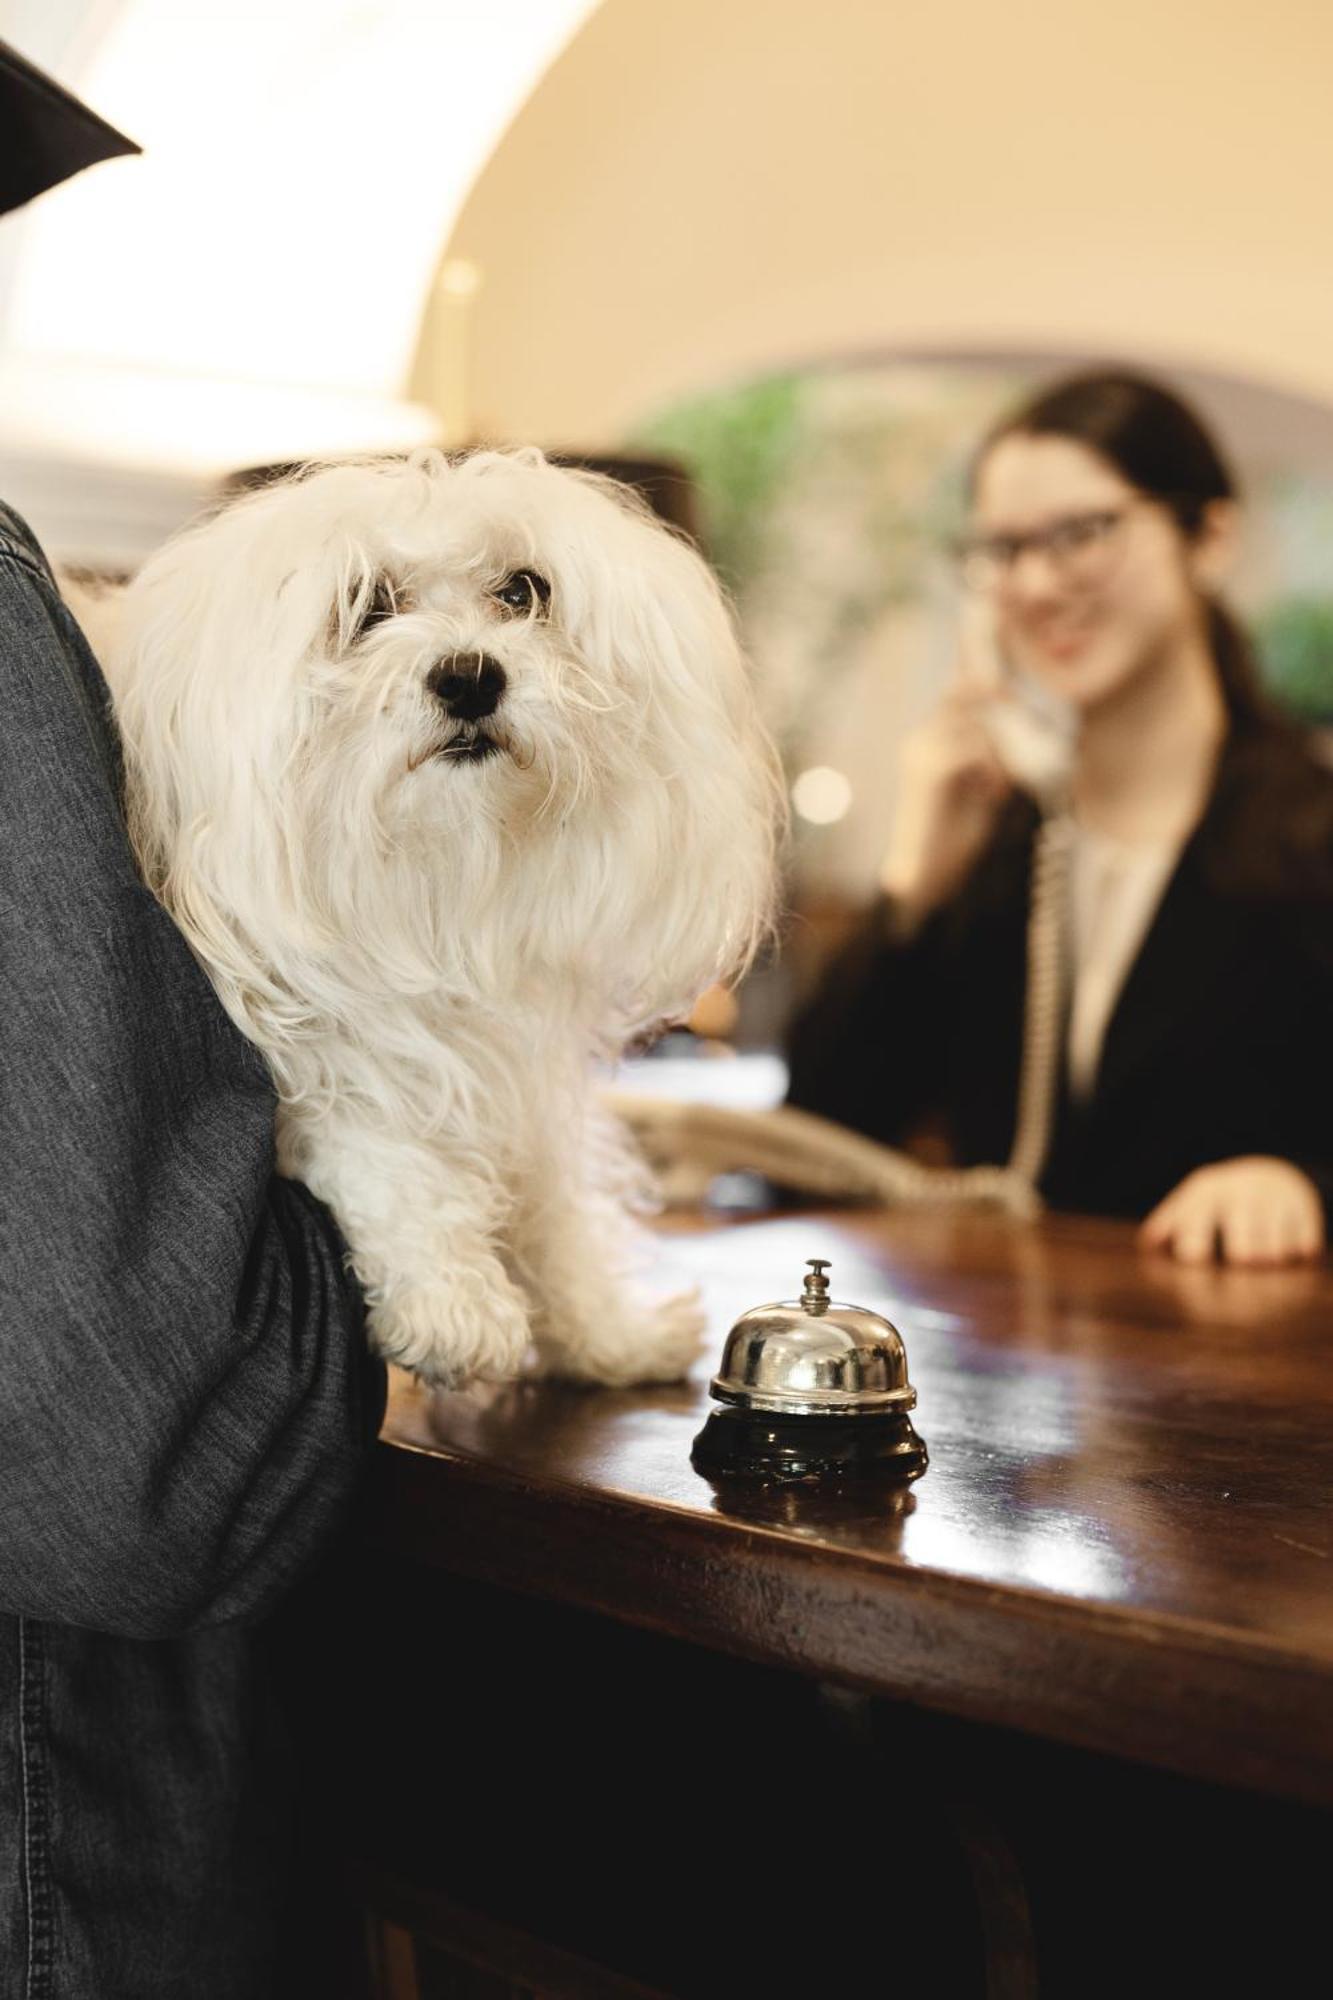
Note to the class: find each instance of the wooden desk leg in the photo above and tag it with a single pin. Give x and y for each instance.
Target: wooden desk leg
(393, 1961)
(849, 1722)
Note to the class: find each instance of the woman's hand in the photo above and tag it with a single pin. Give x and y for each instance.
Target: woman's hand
(1253, 1210)
(952, 786)
(951, 783)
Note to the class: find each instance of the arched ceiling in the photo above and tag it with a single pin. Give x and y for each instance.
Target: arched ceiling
(696, 192)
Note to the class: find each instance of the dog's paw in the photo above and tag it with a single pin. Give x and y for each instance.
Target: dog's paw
(670, 1338)
(630, 1343)
(452, 1333)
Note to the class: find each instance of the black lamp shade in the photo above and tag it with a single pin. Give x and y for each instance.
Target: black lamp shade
(45, 133)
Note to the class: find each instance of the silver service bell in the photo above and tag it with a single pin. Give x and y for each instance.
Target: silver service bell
(812, 1388)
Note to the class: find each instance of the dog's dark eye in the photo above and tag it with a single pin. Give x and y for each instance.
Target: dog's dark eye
(523, 590)
(380, 606)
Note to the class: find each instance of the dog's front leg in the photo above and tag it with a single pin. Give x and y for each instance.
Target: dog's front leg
(591, 1321)
(422, 1230)
(578, 1247)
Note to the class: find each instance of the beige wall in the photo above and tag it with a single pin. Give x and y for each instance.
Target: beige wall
(704, 189)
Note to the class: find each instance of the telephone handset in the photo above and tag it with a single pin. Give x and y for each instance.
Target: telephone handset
(1032, 730)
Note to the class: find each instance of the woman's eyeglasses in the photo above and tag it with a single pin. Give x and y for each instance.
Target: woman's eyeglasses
(1082, 550)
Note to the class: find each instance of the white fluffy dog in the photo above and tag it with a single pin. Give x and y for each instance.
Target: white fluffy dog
(451, 774)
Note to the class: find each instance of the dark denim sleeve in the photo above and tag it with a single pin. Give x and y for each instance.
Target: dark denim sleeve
(185, 1396)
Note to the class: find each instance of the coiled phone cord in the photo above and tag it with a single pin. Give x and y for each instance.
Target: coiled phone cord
(1044, 1005)
(1014, 1185)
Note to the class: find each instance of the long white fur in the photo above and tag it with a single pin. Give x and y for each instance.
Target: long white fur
(429, 953)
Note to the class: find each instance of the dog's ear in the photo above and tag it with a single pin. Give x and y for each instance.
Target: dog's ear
(698, 796)
(208, 683)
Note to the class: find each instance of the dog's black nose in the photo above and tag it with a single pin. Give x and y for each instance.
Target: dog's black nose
(469, 684)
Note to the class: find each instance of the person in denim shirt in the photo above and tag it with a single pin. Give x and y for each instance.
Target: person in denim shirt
(186, 1399)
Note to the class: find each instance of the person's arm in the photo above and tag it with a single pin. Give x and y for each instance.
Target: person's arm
(1312, 932)
(1276, 1206)
(185, 1397)
(868, 1048)
(871, 1048)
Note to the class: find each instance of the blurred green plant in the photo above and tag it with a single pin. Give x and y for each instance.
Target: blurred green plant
(766, 452)
(740, 444)
(1294, 639)
(825, 498)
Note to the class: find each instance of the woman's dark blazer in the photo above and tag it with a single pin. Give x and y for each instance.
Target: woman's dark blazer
(1221, 1042)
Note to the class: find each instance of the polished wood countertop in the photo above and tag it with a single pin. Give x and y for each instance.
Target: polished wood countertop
(1124, 1540)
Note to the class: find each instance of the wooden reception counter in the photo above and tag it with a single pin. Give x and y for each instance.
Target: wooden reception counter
(1075, 1683)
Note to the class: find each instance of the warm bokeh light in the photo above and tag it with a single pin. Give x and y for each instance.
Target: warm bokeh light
(715, 1014)
(459, 278)
(821, 795)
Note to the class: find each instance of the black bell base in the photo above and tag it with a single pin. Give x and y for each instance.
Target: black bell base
(753, 1444)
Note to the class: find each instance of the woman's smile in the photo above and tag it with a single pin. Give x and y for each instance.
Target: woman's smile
(1061, 638)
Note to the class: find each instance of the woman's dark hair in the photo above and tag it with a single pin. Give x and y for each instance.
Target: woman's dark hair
(1156, 442)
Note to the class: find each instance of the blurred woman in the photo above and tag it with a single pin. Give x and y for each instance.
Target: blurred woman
(1191, 1080)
